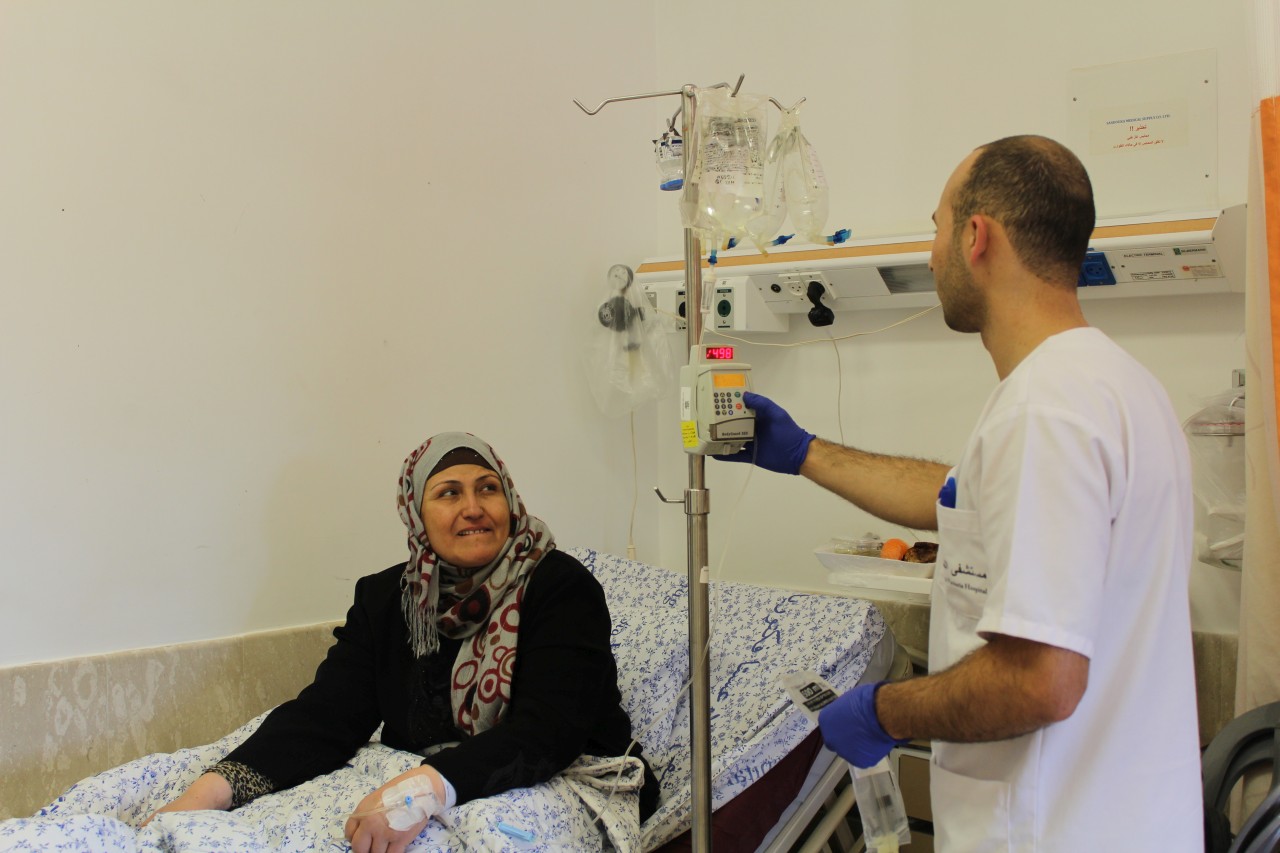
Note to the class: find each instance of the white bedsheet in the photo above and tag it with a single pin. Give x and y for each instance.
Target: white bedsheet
(100, 813)
(757, 634)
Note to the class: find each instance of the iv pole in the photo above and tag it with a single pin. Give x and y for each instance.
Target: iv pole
(696, 505)
(697, 501)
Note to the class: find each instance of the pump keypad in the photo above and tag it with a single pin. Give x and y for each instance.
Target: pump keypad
(727, 402)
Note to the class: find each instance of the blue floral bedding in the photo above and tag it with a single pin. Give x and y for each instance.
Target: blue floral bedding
(757, 634)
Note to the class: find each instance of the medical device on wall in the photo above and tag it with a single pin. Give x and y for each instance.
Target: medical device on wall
(736, 306)
(1172, 255)
(626, 358)
(714, 419)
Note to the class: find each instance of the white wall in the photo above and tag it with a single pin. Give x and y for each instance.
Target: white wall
(251, 254)
(898, 93)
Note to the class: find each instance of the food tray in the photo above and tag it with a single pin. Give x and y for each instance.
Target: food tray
(845, 564)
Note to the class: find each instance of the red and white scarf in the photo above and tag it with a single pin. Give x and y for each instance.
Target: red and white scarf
(438, 598)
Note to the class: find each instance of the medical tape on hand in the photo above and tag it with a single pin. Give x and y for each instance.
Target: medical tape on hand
(410, 802)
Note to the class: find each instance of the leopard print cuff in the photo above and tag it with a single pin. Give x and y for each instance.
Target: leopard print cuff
(246, 783)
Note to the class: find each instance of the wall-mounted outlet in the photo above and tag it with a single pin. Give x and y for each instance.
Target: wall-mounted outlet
(796, 286)
(668, 299)
(736, 305)
(1095, 270)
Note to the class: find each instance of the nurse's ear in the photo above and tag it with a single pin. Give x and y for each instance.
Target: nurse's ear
(977, 234)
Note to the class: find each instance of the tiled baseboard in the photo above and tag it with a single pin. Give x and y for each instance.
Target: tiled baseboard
(64, 720)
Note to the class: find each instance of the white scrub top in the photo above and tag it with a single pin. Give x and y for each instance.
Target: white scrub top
(1072, 527)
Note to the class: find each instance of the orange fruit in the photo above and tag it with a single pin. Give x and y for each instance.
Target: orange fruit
(893, 549)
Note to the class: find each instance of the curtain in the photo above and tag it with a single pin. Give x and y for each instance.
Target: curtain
(1258, 672)
(1258, 664)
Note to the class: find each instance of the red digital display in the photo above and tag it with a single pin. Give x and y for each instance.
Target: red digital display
(719, 354)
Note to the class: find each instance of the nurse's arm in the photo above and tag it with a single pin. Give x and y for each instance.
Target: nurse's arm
(898, 489)
(1003, 689)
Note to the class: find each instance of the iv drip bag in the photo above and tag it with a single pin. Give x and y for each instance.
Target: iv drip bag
(669, 153)
(726, 186)
(804, 181)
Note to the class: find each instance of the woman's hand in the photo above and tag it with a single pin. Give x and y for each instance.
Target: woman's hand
(368, 830)
(209, 792)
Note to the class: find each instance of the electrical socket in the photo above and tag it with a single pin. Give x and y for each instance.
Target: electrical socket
(796, 286)
(1095, 270)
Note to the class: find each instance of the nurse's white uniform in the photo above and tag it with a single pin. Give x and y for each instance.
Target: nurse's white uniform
(1072, 527)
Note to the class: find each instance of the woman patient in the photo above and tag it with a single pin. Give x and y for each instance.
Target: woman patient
(488, 652)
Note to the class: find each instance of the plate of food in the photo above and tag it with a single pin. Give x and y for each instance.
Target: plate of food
(896, 557)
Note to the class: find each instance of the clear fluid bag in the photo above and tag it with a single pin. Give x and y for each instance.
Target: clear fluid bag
(765, 225)
(807, 197)
(725, 188)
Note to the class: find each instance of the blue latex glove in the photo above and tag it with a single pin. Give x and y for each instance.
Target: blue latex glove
(779, 444)
(851, 729)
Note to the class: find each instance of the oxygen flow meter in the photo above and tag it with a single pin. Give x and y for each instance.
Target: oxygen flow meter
(714, 419)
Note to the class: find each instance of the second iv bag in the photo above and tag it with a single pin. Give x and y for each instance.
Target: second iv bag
(724, 190)
(804, 181)
(764, 226)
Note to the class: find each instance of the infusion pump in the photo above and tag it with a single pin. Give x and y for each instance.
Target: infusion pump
(714, 419)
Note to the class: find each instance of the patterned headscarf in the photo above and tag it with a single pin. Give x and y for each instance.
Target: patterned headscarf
(438, 598)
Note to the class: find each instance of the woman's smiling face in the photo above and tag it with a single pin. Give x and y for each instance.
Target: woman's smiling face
(465, 513)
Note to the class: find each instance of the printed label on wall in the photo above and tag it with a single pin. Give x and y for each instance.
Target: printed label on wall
(1147, 131)
(1177, 262)
(1139, 127)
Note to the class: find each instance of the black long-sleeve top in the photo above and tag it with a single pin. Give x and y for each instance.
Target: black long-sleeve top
(564, 694)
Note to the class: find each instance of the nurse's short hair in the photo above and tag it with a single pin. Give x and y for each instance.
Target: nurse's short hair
(1040, 193)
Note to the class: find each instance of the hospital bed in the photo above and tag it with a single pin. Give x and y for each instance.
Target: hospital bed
(770, 774)
(757, 634)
